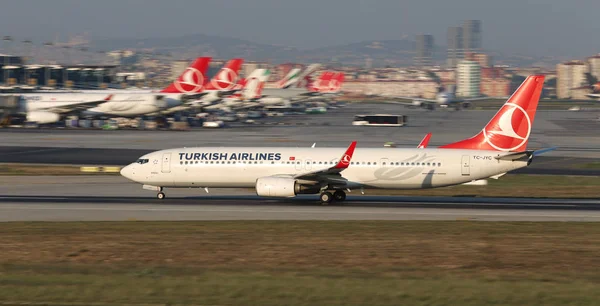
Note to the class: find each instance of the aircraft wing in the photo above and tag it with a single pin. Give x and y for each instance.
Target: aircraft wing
(331, 175)
(595, 96)
(416, 99)
(78, 106)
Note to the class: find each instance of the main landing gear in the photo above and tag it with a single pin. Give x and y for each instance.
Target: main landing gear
(327, 197)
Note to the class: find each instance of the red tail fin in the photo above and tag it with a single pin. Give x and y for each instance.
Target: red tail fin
(321, 84)
(335, 84)
(192, 79)
(509, 129)
(227, 77)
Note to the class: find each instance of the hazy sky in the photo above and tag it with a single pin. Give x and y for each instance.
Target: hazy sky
(557, 27)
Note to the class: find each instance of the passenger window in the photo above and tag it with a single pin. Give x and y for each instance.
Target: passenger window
(383, 163)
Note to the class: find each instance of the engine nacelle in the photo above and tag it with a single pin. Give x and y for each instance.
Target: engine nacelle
(42, 117)
(282, 187)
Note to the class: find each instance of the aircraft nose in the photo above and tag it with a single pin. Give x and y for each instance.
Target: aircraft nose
(128, 172)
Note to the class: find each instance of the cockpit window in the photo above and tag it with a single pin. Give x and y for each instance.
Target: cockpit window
(141, 161)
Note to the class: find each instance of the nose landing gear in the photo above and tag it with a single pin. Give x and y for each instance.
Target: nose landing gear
(160, 195)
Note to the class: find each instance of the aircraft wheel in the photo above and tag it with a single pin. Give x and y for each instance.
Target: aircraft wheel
(160, 195)
(339, 195)
(326, 198)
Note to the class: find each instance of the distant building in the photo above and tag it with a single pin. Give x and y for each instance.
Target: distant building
(445, 75)
(248, 67)
(282, 70)
(494, 83)
(472, 38)
(424, 50)
(468, 79)
(570, 75)
(426, 89)
(178, 67)
(484, 60)
(455, 46)
(594, 65)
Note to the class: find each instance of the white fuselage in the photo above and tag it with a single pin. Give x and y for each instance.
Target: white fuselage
(390, 168)
(121, 104)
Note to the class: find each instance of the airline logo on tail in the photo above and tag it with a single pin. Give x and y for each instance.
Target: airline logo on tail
(328, 82)
(510, 128)
(290, 79)
(226, 78)
(192, 79)
(347, 157)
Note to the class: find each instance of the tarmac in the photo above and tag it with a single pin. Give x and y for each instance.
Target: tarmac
(574, 133)
(113, 198)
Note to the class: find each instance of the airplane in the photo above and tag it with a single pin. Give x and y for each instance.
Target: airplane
(46, 112)
(594, 86)
(248, 95)
(500, 147)
(445, 98)
(44, 108)
(199, 92)
(297, 78)
(328, 84)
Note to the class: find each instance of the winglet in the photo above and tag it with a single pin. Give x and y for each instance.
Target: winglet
(347, 157)
(108, 98)
(423, 144)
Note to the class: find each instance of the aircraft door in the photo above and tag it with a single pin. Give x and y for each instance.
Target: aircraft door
(299, 165)
(166, 163)
(466, 165)
(308, 164)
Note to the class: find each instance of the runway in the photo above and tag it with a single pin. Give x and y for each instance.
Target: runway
(113, 199)
(254, 208)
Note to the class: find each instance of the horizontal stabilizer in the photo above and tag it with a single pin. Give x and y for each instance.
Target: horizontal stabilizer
(519, 155)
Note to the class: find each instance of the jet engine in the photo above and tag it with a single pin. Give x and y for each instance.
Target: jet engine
(283, 187)
(42, 117)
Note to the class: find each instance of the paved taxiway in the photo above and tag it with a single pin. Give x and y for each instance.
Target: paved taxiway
(574, 133)
(95, 198)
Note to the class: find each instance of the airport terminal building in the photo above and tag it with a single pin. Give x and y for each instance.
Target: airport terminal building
(15, 73)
